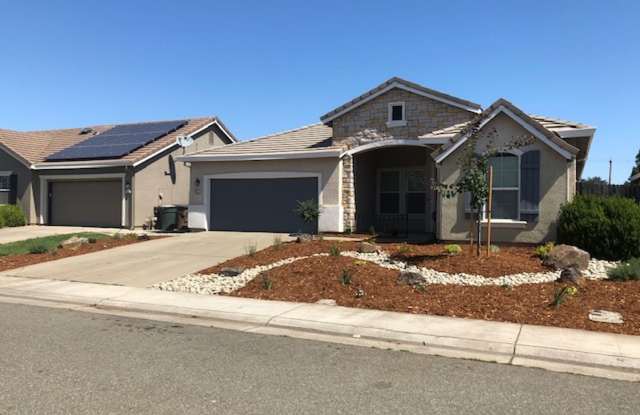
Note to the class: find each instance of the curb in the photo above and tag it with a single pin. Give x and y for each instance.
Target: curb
(611, 356)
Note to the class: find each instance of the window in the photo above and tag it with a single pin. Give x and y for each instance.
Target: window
(506, 190)
(416, 195)
(5, 183)
(396, 115)
(390, 192)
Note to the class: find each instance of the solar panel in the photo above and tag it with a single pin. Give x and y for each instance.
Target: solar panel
(117, 141)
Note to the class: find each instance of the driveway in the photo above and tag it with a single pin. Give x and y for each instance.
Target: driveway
(36, 231)
(146, 263)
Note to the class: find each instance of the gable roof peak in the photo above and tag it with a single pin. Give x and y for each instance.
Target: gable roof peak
(396, 82)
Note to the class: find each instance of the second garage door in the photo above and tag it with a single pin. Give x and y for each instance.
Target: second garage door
(261, 205)
(86, 203)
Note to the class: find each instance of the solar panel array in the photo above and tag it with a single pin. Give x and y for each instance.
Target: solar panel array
(117, 141)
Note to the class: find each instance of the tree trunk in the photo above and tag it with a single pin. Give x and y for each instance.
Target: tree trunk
(478, 232)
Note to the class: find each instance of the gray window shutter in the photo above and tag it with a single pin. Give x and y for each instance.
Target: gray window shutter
(530, 186)
(13, 186)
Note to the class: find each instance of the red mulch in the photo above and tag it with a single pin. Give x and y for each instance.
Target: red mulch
(17, 261)
(510, 260)
(318, 278)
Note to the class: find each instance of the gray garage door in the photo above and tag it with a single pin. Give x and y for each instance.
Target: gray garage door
(261, 205)
(86, 203)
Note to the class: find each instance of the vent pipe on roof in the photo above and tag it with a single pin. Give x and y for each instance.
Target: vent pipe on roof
(86, 130)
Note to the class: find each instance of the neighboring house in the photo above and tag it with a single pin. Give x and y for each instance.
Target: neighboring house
(107, 175)
(371, 161)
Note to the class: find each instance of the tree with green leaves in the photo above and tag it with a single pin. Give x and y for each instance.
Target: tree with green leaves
(636, 169)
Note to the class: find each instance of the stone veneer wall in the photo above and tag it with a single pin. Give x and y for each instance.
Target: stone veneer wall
(348, 194)
(368, 122)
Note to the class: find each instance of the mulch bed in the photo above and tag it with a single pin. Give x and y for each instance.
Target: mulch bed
(312, 279)
(510, 260)
(17, 261)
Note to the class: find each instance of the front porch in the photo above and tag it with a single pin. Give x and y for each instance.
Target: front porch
(392, 192)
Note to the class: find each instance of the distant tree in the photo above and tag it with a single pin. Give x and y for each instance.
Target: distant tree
(636, 169)
(595, 180)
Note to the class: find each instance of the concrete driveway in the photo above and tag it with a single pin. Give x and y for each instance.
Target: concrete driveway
(146, 263)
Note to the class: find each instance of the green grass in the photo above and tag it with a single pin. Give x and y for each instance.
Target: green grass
(45, 244)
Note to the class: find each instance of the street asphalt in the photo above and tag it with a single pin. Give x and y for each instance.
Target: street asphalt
(55, 361)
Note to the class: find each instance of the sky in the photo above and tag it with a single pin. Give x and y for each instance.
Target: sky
(268, 66)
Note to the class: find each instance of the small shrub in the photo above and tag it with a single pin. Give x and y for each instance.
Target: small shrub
(452, 249)
(345, 277)
(542, 251)
(38, 249)
(308, 210)
(277, 242)
(348, 231)
(251, 249)
(562, 294)
(628, 271)
(494, 249)
(12, 216)
(606, 227)
(334, 250)
(404, 249)
(92, 240)
(267, 284)
(372, 230)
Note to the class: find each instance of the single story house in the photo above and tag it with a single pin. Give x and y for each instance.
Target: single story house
(370, 163)
(104, 175)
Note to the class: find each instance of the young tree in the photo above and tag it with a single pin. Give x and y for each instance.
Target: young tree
(474, 165)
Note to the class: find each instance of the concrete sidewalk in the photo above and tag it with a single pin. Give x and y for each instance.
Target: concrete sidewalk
(565, 350)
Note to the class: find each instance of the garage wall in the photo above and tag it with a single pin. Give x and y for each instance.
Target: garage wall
(25, 190)
(150, 181)
(327, 167)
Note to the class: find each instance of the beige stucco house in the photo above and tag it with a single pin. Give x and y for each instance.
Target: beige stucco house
(106, 175)
(370, 163)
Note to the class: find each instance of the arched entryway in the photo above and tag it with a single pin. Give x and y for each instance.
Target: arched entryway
(392, 188)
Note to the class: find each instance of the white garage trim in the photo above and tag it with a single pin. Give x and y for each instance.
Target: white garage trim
(199, 215)
(44, 185)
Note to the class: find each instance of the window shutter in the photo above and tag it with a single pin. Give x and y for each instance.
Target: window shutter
(13, 186)
(530, 186)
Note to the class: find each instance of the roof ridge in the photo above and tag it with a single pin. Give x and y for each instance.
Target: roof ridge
(278, 133)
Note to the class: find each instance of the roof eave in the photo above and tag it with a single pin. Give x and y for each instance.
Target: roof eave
(282, 155)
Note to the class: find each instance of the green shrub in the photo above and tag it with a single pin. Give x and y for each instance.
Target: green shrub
(626, 271)
(404, 249)
(542, 251)
(562, 294)
(277, 242)
(251, 249)
(334, 250)
(495, 249)
(606, 227)
(12, 216)
(452, 249)
(38, 249)
(308, 210)
(267, 284)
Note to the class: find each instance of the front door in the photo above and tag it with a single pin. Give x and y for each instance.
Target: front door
(403, 200)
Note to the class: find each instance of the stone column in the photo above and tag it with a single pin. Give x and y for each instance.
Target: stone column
(348, 194)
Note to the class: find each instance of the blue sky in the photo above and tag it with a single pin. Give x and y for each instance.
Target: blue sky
(268, 66)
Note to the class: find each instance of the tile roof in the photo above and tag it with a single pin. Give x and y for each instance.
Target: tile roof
(455, 133)
(399, 81)
(35, 146)
(303, 139)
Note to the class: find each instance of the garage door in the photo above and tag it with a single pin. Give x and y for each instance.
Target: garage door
(261, 205)
(86, 203)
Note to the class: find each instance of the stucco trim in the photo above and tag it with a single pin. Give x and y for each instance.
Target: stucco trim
(44, 206)
(392, 143)
(284, 155)
(504, 110)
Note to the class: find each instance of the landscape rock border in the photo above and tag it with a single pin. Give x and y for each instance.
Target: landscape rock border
(217, 284)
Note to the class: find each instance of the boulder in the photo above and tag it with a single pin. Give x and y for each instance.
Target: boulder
(410, 278)
(368, 248)
(74, 242)
(569, 275)
(231, 271)
(567, 256)
(304, 237)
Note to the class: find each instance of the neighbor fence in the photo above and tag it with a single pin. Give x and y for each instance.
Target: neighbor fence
(625, 190)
